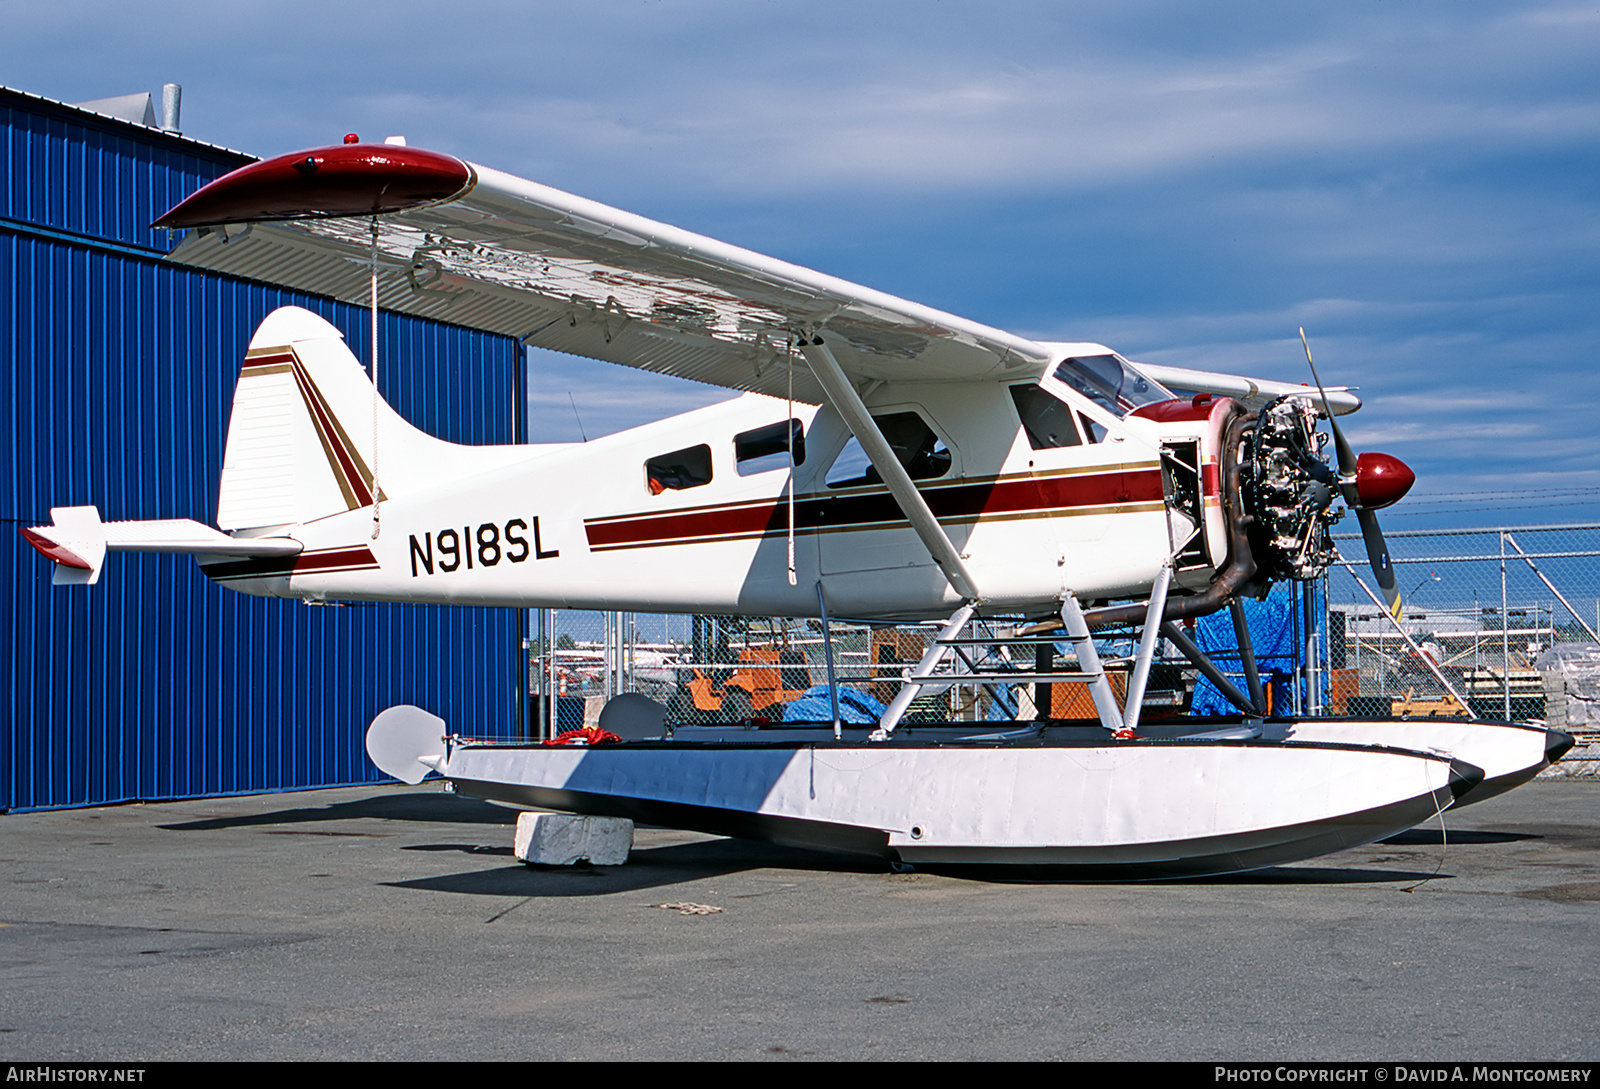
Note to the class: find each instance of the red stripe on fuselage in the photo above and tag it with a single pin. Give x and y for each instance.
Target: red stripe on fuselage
(321, 562)
(1008, 497)
(309, 562)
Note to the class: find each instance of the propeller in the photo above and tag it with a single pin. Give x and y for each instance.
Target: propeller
(1368, 482)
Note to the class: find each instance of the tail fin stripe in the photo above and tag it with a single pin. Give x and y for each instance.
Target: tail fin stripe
(350, 472)
(354, 477)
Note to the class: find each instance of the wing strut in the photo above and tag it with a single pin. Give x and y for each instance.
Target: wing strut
(847, 402)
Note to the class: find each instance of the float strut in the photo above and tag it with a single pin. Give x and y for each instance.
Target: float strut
(1105, 700)
(911, 687)
(1229, 690)
(1147, 651)
(827, 653)
(1247, 656)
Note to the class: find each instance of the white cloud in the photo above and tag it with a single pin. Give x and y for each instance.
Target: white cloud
(1411, 182)
(755, 99)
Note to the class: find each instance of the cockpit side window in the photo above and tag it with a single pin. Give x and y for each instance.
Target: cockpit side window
(916, 446)
(688, 468)
(766, 448)
(1047, 422)
(1110, 382)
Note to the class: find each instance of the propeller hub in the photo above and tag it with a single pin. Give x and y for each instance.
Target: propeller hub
(1381, 480)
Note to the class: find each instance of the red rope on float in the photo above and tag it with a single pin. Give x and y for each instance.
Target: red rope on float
(584, 735)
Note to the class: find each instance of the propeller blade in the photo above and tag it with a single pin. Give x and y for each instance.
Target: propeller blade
(1378, 557)
(1347, 456)
(1386, 479)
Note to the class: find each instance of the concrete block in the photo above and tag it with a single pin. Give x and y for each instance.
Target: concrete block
(561, 839)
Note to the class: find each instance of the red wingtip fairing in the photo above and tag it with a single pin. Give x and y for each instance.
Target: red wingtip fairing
(56, 551)
(1382, 479)
(343, 180)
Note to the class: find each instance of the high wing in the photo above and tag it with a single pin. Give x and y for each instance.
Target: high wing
(1251, 392)
(473, 246)
(434, 236)
(466, 244)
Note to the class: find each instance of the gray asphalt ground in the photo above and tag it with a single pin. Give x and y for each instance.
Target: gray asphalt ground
(393, 923)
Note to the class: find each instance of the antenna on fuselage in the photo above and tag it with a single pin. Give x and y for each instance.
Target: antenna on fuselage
(575, 415)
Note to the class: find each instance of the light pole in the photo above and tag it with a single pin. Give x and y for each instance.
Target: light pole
(1430, 578)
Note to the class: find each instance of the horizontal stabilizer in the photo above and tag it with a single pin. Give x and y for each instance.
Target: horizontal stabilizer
(77, 541)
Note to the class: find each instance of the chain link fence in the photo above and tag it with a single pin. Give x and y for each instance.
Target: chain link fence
(1501, 619)
(727, 669)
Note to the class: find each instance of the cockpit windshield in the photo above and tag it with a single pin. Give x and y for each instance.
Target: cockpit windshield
(1110, 382)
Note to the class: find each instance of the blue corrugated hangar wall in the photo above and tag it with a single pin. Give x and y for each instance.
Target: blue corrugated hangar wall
(120, 370)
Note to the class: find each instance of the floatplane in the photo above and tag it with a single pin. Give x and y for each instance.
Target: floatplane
(887, 461)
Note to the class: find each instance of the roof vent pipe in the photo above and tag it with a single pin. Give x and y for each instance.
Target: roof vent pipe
(171, 103)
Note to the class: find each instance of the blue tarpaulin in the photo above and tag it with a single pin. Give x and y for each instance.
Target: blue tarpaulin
(1275, 633)
(855, 706)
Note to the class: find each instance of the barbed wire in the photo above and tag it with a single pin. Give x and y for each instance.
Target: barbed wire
(1446, 498)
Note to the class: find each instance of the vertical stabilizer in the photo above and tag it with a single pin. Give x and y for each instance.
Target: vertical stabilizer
(307, 431)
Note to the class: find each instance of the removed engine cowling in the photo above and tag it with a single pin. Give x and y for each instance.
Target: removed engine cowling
(1288, 489)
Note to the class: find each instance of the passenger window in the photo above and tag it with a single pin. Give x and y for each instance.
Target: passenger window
(679, 470)
(1096, 432)
(914, 443)
(767, 448)
(1046, 421)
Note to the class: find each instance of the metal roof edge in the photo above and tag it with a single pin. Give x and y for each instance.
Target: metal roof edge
(133, 127)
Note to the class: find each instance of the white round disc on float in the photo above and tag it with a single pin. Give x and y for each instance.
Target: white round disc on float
(400, 737)
(634, 717)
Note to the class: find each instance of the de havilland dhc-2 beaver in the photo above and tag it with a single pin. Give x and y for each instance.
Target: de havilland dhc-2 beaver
(887, 462)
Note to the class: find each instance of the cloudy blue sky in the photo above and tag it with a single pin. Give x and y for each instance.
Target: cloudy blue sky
(1417, 183)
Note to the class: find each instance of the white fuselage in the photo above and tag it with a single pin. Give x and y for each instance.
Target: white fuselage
(580, 526)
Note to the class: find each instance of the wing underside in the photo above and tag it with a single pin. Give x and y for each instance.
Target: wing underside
(475, 247)
(556, 271)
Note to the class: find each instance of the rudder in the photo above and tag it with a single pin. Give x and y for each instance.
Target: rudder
(307, 430)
